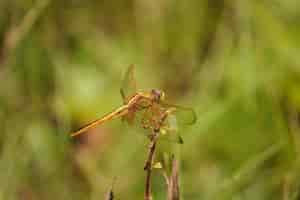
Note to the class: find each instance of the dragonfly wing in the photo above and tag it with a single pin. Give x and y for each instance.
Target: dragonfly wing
(169, 130)
(177, 116)
(169, 138)
(184, 115)
(128, 87)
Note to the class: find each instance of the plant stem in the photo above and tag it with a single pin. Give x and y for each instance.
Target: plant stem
(148, 165)
(173, 182)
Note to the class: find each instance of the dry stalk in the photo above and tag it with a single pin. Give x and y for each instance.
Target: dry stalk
(148, 165)
(173, 182)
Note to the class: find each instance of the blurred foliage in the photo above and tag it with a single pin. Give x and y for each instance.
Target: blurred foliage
(236, 62)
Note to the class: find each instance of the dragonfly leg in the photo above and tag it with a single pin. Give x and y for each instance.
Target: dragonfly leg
(145, 122)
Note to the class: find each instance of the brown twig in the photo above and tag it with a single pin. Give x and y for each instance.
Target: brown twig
(173, 182)
(148, 165)
(151, 153)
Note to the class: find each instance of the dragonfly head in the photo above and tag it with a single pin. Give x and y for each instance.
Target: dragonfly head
(158, 95)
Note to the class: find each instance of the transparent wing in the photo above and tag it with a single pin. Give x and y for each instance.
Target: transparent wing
(169, 131)
(128, 87)
(184, 115)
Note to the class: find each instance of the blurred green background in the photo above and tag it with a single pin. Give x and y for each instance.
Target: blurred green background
(235, 62)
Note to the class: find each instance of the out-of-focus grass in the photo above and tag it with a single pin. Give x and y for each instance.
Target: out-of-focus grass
(235, 62)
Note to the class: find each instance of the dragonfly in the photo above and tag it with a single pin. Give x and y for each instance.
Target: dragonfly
(156, 114)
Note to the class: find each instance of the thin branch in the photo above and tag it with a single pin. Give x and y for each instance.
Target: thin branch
(148, 165)
(152, 147)
(173, 186)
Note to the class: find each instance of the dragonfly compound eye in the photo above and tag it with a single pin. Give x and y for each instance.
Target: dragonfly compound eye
(157, 94)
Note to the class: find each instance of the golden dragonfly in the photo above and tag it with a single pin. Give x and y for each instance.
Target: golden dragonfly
(157, 115)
